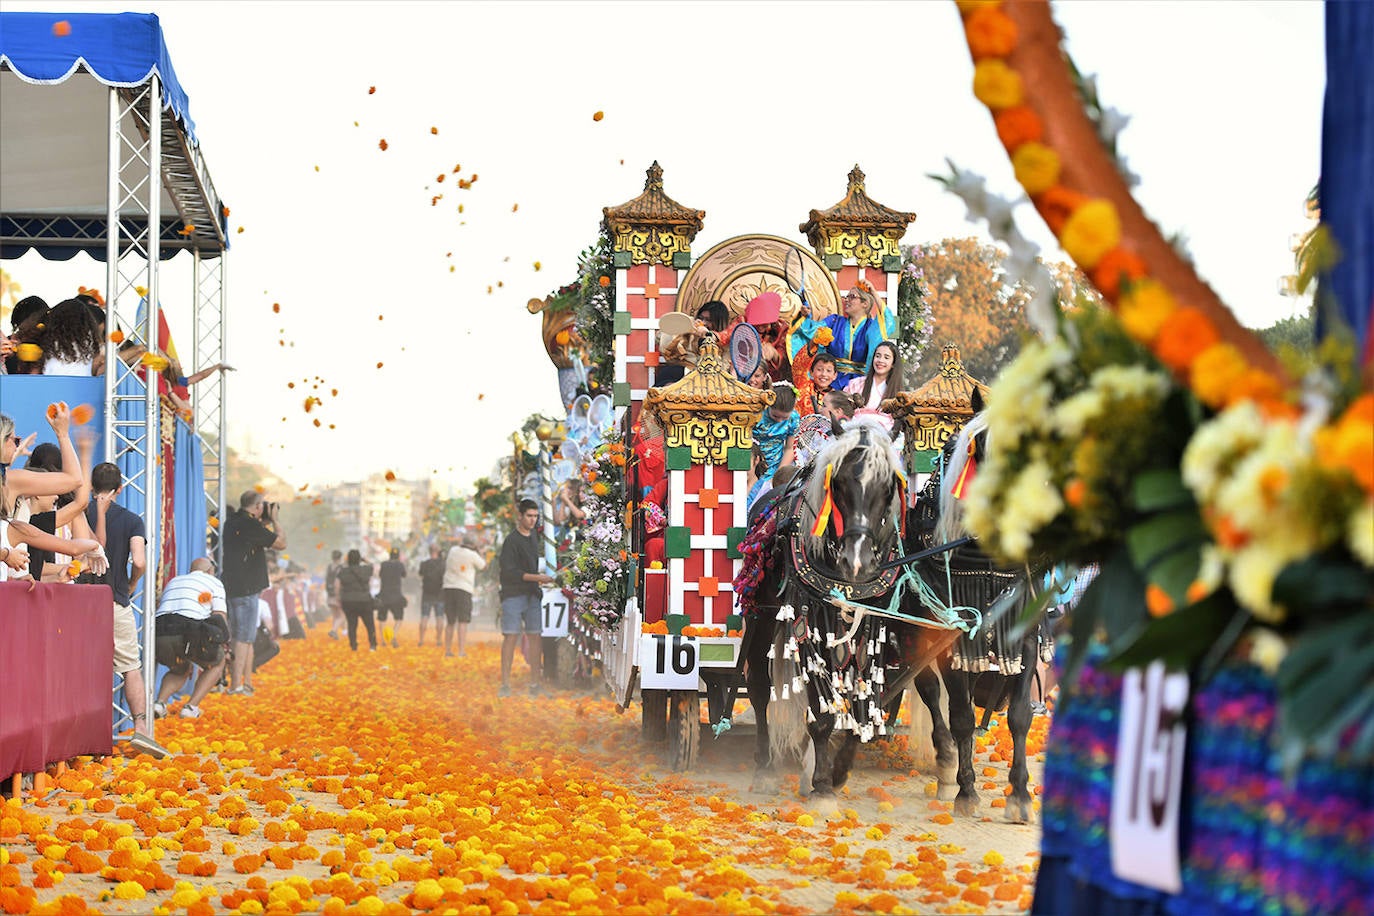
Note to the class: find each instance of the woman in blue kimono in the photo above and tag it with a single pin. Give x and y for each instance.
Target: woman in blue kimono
(854, 335)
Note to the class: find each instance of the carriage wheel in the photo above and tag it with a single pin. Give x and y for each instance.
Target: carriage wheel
(684, 729)
(653, 721)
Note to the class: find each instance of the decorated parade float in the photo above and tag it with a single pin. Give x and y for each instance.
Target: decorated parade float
(1214, 747)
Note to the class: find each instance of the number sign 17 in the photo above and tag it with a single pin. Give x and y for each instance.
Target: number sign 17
(554, 604)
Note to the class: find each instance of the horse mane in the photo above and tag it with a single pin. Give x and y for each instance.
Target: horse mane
(950, 527)
(880, 465)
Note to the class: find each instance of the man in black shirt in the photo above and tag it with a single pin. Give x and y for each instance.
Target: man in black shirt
(521, 589)
(125, 541)
(432, 592)
(248, 535)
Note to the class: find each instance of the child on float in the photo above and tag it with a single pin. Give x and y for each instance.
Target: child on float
(854, 334)
(815, 384)
(775, 433)
(884, 381)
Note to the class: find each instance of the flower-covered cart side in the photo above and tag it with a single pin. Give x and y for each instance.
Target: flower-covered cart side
(1231, 515)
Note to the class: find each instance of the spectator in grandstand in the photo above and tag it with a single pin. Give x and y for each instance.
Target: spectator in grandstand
(460, 582)
(17, 483)
(24, 310)
(192, 628)
(331, 591)
(69, 338)
(355, 596)
(521, 584)
(390, 600)
(122, 534)
(248, 534)
(63, 515)
(432, 592)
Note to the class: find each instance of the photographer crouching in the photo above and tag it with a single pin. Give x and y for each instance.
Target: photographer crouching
(248, 535)
(192, 629)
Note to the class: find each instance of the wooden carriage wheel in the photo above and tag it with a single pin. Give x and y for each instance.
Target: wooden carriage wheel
(684, 729)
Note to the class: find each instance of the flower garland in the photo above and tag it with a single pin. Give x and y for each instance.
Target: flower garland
(596, 574)
(1089, 229)
(915, 318)
(595, 310)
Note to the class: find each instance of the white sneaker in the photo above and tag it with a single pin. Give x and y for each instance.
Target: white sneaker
(190, 712)
(159, 710)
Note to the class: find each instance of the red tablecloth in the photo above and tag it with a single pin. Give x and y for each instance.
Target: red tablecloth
(56, 659)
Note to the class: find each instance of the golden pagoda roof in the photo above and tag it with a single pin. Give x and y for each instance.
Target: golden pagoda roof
(655, 208)
(710, 388)
(857, 210)
(949, 393)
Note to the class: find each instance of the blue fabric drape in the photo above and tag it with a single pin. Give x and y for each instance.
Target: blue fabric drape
(1347, 180)
(120, 49)
(190, 513)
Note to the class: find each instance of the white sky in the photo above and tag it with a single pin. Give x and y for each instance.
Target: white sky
(755, 110)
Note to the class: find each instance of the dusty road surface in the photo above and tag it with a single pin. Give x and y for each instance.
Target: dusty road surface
(396, 781)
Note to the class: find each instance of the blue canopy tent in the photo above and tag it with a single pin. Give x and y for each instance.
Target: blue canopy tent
(98, 154)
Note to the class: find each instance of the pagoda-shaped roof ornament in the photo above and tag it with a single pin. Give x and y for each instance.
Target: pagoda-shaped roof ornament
(652, 227)
(708, 410)
(858, 227)
(940, 407)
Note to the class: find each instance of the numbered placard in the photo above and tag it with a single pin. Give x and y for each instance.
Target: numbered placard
(1147, 785)
(555, 607)
(668, 662)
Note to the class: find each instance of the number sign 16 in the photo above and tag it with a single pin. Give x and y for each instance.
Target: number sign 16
(668, 662)
(554, 604)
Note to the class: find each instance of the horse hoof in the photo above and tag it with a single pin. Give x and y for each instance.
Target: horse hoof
(1019, 811)
(947, 791)
(827, 804)
(966, 806)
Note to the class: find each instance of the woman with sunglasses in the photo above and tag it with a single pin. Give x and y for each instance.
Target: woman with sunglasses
(22, 482)
(855, 334)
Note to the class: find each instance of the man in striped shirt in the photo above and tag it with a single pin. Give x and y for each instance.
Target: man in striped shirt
(192, 628)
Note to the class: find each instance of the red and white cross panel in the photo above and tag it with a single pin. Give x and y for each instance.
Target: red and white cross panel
(709, 500)
(647, 292)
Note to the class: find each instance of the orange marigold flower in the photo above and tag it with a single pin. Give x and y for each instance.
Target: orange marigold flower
(117, 336)
(187, 229)
(434, 130)
(204, 597)
(1144, 308)
(1197, 590)
(1075, 491)
(1118, 266)
(382, 144)
(1017, 125)
(1056, 204)
(61, 28)
(213, 521)
(29, 352)
(597, 116)
(1182, 336)
(824, 336)
(1157, 601)
(1216, 372)
(82, 414)
(390, 476)
(604, 281)
(990, 33)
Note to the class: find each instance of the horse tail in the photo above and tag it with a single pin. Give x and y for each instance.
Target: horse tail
(787, 735)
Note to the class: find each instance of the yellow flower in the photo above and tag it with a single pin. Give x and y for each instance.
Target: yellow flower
(129, 890)
(1267, 649)
(1144, 308)
(1215, 371)
(996, 85)
(1036, 166)
(1360, 533)
(1090, 232)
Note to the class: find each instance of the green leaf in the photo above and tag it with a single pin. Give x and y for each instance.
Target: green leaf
(1178, 639)
(1163, 534)
(1153, 491)
(1314, 701)
(1316, 647)
(1087, 616)
(1318, 582)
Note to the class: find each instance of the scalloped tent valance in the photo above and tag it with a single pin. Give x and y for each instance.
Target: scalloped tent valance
(56, 72)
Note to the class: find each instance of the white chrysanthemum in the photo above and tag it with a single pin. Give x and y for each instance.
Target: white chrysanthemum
(1244, 496)
(1031, 503)
(1216, 444)
(1360, 533)
(1211, 570)
(1123, 382)
(1074, 414)
(1019, 401)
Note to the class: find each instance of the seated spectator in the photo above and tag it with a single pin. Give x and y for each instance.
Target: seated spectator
(192, 626)
(70, 339)
(25, 310)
